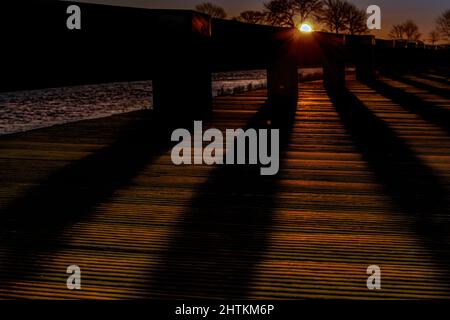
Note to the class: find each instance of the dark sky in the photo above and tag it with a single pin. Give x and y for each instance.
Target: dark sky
(424, 12)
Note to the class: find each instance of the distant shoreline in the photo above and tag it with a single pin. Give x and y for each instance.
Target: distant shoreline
(36, 109)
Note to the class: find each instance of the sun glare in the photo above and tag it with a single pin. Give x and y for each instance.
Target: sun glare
(305, 28)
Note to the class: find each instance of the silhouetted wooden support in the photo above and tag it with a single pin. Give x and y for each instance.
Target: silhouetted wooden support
(404, 56)
(178, 50)
(170, 47)
(383, 50)
(362, 53)
(282, 74)
(333, 64)
(240, 46)
(334, 76)
(182, 91)
(282, 81)
(282, 90)
(182, 85)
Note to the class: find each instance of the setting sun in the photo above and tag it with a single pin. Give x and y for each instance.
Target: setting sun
(305, 28)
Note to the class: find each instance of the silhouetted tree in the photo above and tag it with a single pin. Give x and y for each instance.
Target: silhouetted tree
(443, 24)
(405, 31)
(334, 15)
(397, 32)
(307, 9)
(411, 31)
(211, 9)
(434, 37)
(280, 13)
(255, 17)
(355, 19)
(289, 13)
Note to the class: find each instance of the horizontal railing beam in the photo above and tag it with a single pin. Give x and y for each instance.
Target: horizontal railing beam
(178, 50)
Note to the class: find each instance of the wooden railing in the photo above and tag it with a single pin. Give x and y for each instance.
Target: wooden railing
(178, 50)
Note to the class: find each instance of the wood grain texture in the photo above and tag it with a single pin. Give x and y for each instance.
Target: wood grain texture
(364, 181)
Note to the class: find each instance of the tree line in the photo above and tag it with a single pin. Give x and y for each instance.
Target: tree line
(338, 16)
(335, 15)
(409, 30)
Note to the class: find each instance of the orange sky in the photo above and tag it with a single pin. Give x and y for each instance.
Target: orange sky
(423, 12)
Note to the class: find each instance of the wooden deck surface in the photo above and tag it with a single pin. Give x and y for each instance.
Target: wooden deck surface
(363, 181)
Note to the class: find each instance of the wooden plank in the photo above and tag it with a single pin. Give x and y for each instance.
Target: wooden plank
(152, 229)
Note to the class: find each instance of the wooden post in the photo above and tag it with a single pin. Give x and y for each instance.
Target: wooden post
(183, 90)
(282, 82)
(182, 87)
(362, 51)
(384, 52)
(282, 76)
(334, 64)
(400, 56)
(334, 76)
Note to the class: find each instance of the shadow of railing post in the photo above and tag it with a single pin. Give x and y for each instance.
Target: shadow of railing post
(413, 186)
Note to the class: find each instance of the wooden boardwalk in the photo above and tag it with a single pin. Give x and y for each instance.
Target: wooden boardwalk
(363, 181)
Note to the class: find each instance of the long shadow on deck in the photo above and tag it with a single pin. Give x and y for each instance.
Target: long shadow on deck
(224, 233)
(32, 223)
(444, 93)
(412, 185)
(441, 77)
(414, 104)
